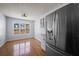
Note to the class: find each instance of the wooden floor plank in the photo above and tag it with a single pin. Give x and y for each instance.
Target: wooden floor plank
(23, 47)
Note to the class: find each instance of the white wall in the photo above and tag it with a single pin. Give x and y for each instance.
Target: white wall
(10, 28)
(2, 29)
(37, 30)
(40, 34)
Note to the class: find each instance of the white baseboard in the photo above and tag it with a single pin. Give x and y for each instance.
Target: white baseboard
(3, 44)
(13, 39)
(18, 39)
(37, 39)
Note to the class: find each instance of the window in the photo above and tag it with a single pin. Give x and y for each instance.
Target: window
(21, 28)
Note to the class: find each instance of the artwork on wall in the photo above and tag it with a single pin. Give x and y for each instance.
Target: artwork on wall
(21, 28)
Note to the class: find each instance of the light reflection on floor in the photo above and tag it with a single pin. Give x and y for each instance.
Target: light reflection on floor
(21, 49)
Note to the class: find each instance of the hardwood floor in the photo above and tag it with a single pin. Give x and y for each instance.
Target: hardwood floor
(23, 47)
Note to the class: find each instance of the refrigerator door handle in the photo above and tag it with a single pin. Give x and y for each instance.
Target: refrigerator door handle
(54, 29)
(55, 40)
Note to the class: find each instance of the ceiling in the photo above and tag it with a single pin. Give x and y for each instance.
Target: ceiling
(33, 10)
